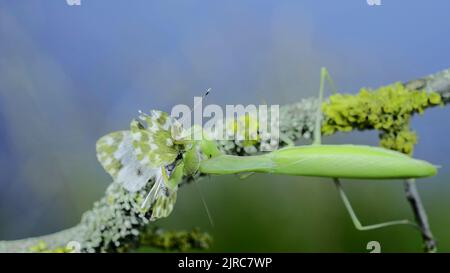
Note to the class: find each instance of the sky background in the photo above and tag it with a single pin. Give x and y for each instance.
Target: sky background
(71, 74)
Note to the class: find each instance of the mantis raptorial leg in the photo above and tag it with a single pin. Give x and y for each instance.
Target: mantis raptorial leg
(324, 75)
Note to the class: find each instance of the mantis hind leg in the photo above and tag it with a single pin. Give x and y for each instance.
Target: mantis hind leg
(355, 219)
(324, 75)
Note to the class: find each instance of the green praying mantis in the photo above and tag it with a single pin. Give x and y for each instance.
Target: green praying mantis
(156, 150)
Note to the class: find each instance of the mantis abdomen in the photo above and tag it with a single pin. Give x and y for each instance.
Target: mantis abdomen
(335, 161)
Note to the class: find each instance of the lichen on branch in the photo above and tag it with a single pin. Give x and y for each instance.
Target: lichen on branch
(387, 109)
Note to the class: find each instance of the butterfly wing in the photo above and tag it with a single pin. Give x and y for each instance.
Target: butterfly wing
(161, 198)
(153, 144)
(134, 157)
(115, 153)
(164, 206)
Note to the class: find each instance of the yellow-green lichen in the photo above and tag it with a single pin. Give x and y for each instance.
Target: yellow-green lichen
(245, 128)
(156, 239)
(387, 109)
(42, 247)
(177, 240)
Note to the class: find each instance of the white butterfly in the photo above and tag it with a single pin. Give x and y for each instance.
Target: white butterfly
(143, 154)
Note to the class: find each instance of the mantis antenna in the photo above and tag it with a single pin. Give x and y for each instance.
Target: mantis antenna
(204, 96)
(211, 221)
(324, 75)
(195, 181)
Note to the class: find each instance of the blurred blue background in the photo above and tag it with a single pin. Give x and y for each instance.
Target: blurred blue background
(70, 74)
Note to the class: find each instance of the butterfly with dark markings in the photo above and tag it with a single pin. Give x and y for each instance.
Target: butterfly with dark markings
(150, 153)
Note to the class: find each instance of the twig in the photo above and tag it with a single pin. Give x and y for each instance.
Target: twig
(438, 82)
(420, 215)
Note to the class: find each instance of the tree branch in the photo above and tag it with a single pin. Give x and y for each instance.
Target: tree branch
(420, 215)
(438, 82)
(54, 240)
